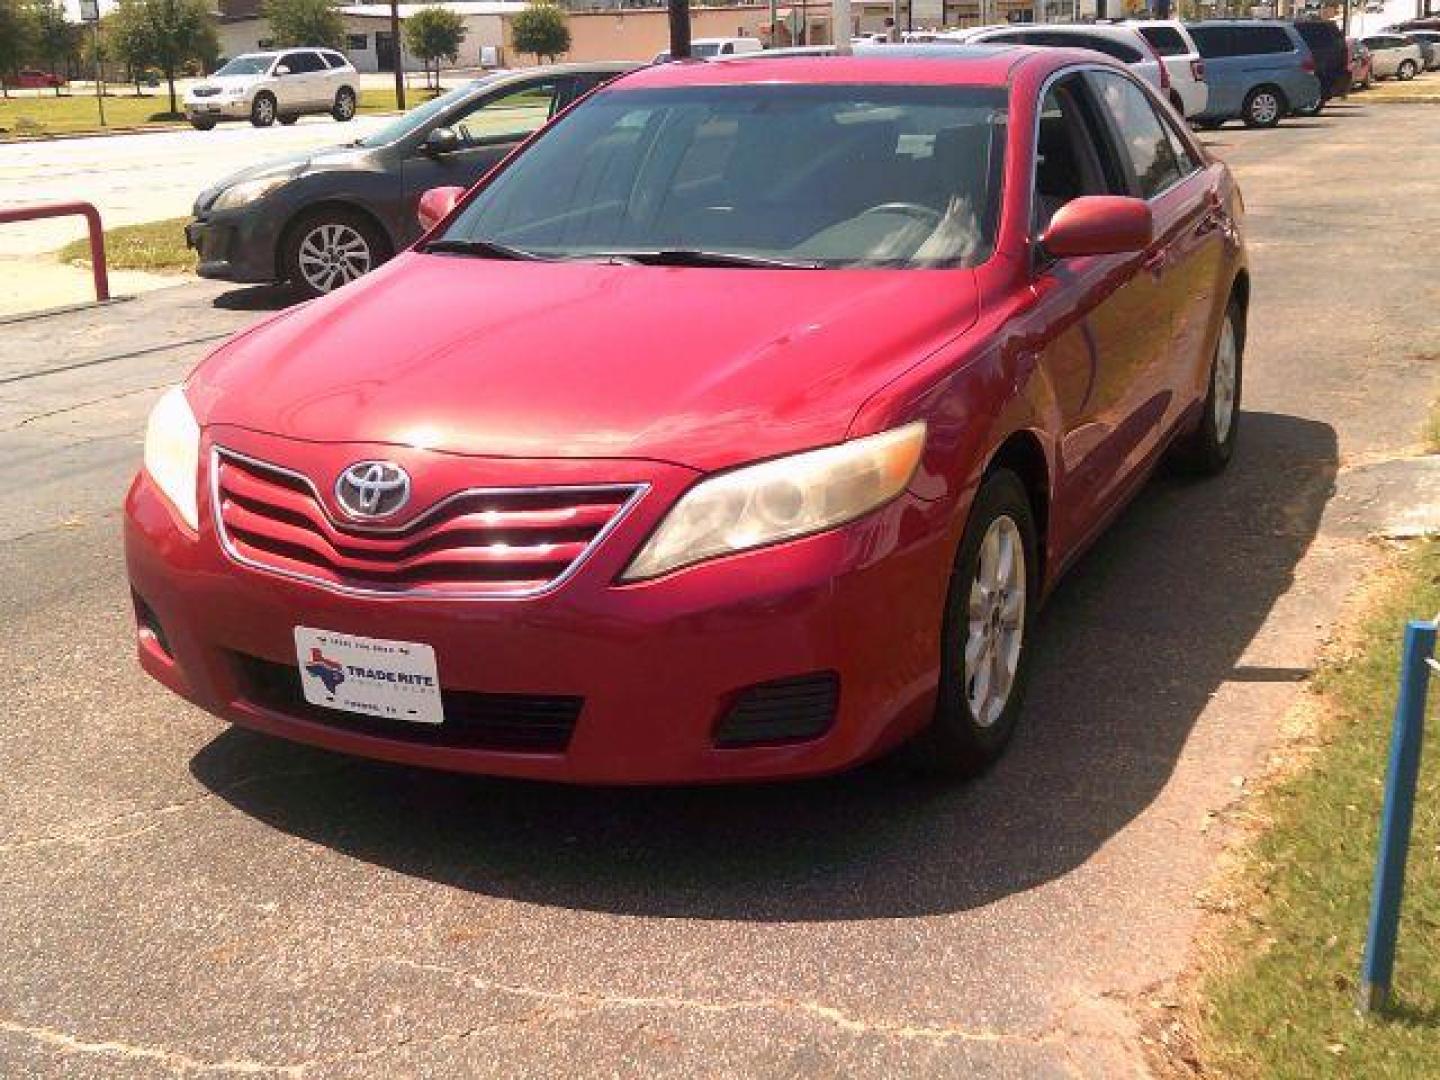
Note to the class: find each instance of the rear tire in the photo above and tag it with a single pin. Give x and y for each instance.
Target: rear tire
(1264, 107)
(985, 640)
(344, 108)
(202, 125)
(1406, 71)
(262, 109)
(1209, 448)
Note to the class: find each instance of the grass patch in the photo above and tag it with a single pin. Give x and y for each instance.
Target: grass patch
(1422, 90)
(72, 113)
(156, 246)
(1281, 1001)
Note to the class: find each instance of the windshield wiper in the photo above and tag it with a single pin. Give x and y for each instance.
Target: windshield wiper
(484, 249)
(695, 257)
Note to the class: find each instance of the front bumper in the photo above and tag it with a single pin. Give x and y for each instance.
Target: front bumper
(657, 665)
(237, 245)
(217, 108)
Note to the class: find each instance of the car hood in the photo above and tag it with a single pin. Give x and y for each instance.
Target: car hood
(696, 366)
(329, 157)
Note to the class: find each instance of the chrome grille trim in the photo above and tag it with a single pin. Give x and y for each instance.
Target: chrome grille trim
(636, 492)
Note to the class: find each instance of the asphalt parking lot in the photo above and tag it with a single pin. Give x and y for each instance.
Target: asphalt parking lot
(180, 898)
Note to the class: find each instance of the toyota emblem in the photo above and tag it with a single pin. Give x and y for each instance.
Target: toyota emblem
(372, 489)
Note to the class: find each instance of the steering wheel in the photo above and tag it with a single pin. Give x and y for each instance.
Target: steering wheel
(925, 214)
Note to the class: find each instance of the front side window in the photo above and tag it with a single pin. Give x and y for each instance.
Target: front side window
(509, 116)
(822, 176)
(1141, 131)
(1263, 40)
(301, 63)
(1071, 157)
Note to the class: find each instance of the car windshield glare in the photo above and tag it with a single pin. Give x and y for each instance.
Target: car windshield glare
(247, 65)
(824, 176)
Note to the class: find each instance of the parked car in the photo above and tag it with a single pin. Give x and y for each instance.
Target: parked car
(1258, 71)
(1123, 42)
(1362, 73)
(322, 219)
(1429, 42)
(1332, 62)
(34, 79)
(711, 48)
(698, 441)
(263, 87)
(1173, 43)
(1394, 57)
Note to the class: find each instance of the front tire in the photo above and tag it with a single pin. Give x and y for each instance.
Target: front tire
(1264, 107)
(344, 107)
(1207, 450)
(262, 110)
(331, 247)
(986, 636)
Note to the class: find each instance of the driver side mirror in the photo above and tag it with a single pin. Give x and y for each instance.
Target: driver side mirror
(436, 204)
(282, 70)
(441, 140)
(1099, 225)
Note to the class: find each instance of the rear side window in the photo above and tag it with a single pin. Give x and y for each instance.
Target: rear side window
(1214, 41)
(1142, 133)
(335, 60)
(1261, 40)
(1166, 40)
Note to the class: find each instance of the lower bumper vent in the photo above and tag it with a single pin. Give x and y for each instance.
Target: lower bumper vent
(787, 710)
(533, 723)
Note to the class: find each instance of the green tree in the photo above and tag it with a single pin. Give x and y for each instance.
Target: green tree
(55, 38)
(305, 22)
(168, 33)
(17, 38)
(127, 40)
(434, 34)
(541, 29)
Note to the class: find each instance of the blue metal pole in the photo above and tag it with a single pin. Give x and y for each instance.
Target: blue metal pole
(1395, 818)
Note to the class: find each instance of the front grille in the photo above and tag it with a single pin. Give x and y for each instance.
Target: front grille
(787, 710)
(205, 91)
(484, 542)
(523, 723)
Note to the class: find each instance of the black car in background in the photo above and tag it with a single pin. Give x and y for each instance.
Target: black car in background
(322, 219)
(1332, 59)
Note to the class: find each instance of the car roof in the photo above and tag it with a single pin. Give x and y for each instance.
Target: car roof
(959, 65)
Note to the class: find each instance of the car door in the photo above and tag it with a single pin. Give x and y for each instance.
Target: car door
(291, 92)
(1093, 321)
(1224, 74)
(487, 127)
(1184, 263)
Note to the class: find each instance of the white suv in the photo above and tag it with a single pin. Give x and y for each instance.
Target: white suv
(267, 86)
(1123, 42)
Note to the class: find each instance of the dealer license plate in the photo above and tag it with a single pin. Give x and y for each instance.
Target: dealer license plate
(389, 680)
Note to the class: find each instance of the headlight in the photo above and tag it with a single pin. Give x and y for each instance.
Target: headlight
(247, 191)
(172, 453)
(777, 500)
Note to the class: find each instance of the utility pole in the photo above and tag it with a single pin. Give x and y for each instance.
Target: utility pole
(398, 55)
(679, 29)
(840, 25)
(90, 12)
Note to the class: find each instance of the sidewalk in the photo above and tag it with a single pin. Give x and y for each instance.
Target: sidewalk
(41, 283)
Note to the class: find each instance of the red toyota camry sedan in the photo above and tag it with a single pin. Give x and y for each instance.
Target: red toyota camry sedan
(733, 428)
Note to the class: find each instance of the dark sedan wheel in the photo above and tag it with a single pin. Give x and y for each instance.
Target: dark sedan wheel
(287, 120)
(1264, 107)
(202, 125)
(330, 248)
(344, 108)
(262, 110)
(986, 637)
(1208, 450)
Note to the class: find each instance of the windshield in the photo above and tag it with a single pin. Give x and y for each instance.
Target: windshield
(418, 117)
(247, 65)
(833, 176)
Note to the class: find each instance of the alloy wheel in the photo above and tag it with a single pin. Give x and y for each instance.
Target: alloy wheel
(1226, 356)
(996, 628)
(1265, 108)
(333, 254)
